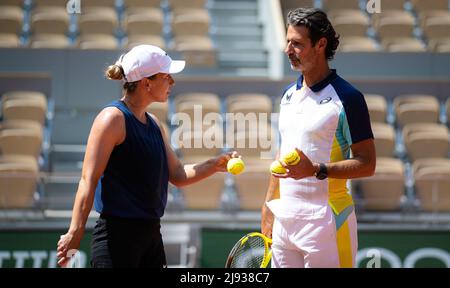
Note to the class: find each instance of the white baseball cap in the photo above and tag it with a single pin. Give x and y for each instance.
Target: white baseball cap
(146, 60)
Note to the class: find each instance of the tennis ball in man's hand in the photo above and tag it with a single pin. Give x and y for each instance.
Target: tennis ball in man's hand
(291, 158)
(277, 168)
(235, 166)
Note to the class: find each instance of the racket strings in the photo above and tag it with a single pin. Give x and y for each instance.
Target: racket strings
(250, 254)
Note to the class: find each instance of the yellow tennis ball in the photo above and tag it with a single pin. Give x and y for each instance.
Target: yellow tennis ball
(291, 158)
(235, 166)
(277, 168)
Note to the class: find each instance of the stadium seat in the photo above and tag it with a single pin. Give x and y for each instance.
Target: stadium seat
(134, 40)
(205, 194)
(21, 124)
(384, 139)
(441, 45)
(21, 141)
(186, 4)
(184, 42)
(206, 141)
(50, 3)
(288, 5)
(142, 3)
(199, 97)
(245, 107)
(97, 20)
(54, 41)
(198, 51)
(191, 24)
(416, 108)
(393, 5)
(349, 23)
(100, 4)
(437, 27)
(144, 22)
(17, 3)
(434, 15)
(245, 124)
(11, 19)
(384, 190)
(202, 13)
(18, 102)
(422, 6)
(189, 102)
(192, 42)
(357, 44)
(9, 40)
(50, 20)
(22, 94)
(256, 141)
(400, 44)
(249, 103)
(426, 140)
(26, 109)
(393, 23)
(251, 185)
(98, 41)
(10, 139)
(430, 14)
(330, 5)
(198, 54)
(160, 110)
(293, 4)
(432, 183)
(18, 179)
(377, 106)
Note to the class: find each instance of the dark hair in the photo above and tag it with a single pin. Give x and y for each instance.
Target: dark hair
(318, 26)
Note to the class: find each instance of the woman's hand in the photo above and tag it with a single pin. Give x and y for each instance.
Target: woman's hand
(66, 243)
(220, 162)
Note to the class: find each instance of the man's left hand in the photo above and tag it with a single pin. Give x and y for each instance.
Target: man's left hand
(304, 168)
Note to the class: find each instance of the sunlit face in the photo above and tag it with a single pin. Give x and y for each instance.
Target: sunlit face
(302, 55)
(161, 86)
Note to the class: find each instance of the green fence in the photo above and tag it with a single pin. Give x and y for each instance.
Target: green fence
(33, 248)
(36, 249)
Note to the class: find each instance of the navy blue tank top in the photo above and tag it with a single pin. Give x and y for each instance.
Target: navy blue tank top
(134, 184)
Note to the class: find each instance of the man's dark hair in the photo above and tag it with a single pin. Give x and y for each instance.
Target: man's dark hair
(318, 26)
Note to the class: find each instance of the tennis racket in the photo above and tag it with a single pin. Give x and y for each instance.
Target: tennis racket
(251, 251)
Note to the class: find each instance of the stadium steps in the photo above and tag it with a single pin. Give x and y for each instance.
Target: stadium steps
(238, 35)
(60, 192)
(61, 185)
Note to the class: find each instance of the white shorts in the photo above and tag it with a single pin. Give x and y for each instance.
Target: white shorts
(299, 243)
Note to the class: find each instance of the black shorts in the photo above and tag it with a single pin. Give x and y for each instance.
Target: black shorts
(127, 243)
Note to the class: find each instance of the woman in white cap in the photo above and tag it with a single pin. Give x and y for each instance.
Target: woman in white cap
(127, 167)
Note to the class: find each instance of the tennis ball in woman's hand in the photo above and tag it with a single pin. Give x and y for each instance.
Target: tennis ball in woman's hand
(235, 166)
(277, 168)
(291, 158)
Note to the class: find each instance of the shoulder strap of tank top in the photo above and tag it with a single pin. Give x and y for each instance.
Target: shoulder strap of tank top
(121, 106)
